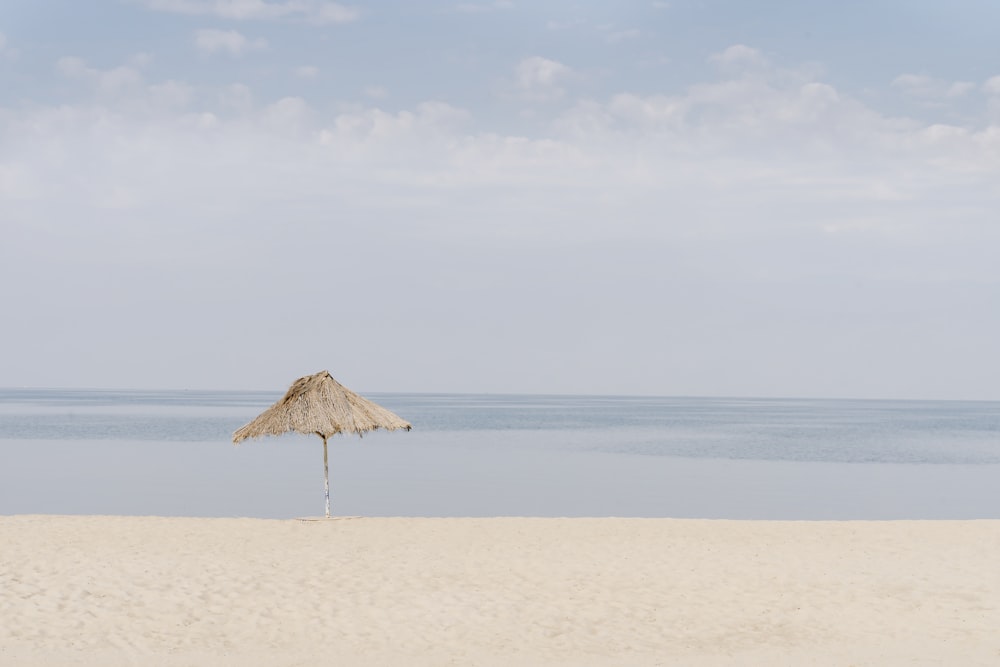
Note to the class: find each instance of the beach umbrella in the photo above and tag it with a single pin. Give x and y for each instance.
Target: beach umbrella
(321, 405)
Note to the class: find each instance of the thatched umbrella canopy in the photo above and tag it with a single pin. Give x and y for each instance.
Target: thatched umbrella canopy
(321, 405)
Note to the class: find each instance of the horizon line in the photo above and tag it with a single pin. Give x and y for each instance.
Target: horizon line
(754, 397)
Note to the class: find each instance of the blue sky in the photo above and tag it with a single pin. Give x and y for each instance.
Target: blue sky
(675, 198)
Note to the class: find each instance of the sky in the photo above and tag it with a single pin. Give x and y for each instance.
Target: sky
(682, 197)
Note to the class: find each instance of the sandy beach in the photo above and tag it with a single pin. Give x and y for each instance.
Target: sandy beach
(96, 590)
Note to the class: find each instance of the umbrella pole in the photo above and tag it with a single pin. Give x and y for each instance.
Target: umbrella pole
(326, 478)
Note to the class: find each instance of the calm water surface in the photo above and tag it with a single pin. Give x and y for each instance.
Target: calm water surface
(169, 452)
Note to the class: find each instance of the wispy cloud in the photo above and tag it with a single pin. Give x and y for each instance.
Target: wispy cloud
(617, 36)
(210, 40)
(920, 85)
(172, 94)
(124, 87)
(565, 25)
(483, 7)
(774, 143)
(6, 50)
(738, 55)
(313, 11)
(992, 86)
(110, 80)
(541, 78)
(306, 72)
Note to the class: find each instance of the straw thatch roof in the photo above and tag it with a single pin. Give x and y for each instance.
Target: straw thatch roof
(321, 405)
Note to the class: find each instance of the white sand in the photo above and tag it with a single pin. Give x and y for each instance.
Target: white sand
(170, 591)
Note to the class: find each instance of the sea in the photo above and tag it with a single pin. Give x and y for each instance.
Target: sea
(170, 453)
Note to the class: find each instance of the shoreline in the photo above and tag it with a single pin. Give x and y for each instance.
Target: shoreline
(89, 590)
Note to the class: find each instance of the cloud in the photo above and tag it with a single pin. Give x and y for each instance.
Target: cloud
(618, 36)
(540, 78)
(376, 92)
(992, 86)
(412, 132)
(770, 142)
(331, 12)
(960, 88)
(235, 98)
(922, 86)
(6, 50)
(483, 7)
(757, 204)
(757, 135)
(306, 72)
(313, 11)
(738, 55)
(288, 116)
(111, 80)
(17, 183)
(538, 72)
(172, 94)
(74, 67)
(125, 87)
(210, 40)
(565, 25)
(732, 117)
